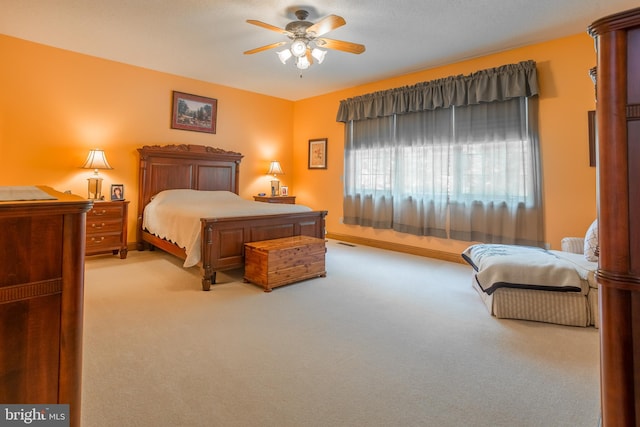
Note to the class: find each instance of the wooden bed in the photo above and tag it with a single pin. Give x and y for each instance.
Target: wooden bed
(200, 167)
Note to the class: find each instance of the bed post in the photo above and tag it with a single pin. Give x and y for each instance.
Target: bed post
(208, 274)
(142, 179)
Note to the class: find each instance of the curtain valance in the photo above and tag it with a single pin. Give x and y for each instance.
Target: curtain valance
(494, 84)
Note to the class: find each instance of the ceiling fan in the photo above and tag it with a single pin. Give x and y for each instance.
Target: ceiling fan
(306, 39)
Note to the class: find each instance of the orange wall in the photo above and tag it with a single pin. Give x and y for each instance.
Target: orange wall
(567, 93)
(55, 105)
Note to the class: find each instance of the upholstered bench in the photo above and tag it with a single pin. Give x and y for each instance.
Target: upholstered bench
(564, 308)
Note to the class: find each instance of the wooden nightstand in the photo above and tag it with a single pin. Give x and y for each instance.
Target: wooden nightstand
(288, 200)
(107, 228)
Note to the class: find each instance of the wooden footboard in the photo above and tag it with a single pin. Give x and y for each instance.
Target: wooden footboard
(223, 239)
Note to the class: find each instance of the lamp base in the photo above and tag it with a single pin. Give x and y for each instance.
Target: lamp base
(275, 187)
(95, 188)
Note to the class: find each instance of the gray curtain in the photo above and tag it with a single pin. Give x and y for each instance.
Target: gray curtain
(509, 165)
(369, 151)
(443, 159)
(495, 84)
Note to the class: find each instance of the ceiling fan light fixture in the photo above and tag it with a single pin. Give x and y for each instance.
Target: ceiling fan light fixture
(302, 63)
(318, 54)
(299, 47)
(306, 39)
(284, 55)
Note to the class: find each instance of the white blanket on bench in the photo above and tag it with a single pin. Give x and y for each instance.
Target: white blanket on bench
(523, 267)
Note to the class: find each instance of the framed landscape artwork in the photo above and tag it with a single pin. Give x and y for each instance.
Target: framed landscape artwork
(193, 112)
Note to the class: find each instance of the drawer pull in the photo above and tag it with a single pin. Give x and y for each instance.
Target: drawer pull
(100, 212)
(97, 240)
(98, 226)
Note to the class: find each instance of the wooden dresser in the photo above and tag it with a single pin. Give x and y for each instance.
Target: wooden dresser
(618, 131)
(41, 300)
(107, 228)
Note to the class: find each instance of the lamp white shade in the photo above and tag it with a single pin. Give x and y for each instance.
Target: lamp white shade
(96, 160)
(275, 168)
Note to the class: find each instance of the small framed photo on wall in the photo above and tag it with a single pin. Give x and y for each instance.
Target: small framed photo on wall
(318, 153)
(117, 192)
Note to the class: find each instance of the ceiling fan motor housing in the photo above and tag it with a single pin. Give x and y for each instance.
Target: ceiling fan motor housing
(298, 29)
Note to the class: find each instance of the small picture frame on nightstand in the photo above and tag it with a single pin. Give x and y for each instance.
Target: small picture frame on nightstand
(284, 190)
(117, 192)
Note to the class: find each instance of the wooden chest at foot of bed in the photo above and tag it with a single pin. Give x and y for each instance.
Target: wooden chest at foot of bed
(277, 262)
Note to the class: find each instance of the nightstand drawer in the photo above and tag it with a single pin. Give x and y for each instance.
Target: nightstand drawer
(106, 226)
(286, 200)
(103, 241)
(102, 210)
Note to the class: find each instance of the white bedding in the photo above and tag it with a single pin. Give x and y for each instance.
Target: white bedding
(586, 269)
(175, 215)
(526, 268)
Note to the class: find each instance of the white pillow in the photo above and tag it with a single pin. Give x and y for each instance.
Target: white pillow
(185, 195)
(591, 248)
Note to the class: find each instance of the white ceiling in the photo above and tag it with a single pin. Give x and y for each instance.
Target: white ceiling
(205, 39)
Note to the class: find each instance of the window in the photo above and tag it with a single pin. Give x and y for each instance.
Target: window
(469, 173)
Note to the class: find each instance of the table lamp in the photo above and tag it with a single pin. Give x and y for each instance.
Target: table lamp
(275, 170)
(96, 160)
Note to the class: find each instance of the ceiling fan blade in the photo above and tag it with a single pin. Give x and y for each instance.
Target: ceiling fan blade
(326, 24)
(270, 27)
(260, 49)
(340, 45)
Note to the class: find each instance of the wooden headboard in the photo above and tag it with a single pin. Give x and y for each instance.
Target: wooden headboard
(196, 167)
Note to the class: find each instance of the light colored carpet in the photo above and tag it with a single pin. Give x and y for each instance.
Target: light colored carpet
(386, 339)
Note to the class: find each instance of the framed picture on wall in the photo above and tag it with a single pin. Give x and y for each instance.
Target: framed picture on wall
(318, 153)
(193, 112)
(117, 192)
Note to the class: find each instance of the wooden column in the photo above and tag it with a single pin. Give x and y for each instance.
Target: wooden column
(618, 131)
